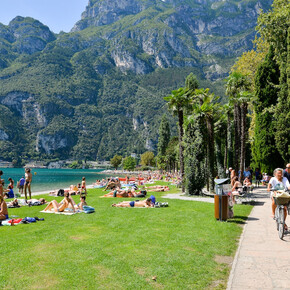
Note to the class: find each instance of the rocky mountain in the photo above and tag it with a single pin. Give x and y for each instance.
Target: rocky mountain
(99, 89)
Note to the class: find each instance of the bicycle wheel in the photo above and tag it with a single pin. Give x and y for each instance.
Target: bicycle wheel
(276, 217)
(281, 222)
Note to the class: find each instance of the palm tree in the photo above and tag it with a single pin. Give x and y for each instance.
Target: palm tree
(177, 102)
(203, 105)
(236, 83)
(228, 109)
(244, 98)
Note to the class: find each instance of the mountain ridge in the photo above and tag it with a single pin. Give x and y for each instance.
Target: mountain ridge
(99, 89)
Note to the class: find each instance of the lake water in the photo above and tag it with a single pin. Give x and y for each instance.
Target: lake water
(51, 179)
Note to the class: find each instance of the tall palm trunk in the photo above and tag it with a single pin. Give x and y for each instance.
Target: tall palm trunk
(211, 152)
(181, 149)
(237, 118)
(244, 109)
(228, 146)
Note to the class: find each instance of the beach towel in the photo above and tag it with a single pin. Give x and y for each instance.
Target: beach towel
(88, 209)
(63, 212)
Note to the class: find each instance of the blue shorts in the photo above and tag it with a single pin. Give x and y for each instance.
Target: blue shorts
(6, 215)
(132, 203)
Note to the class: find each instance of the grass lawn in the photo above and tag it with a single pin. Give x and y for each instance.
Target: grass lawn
(120, 248)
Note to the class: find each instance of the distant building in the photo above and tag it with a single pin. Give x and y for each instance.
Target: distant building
(6, 164)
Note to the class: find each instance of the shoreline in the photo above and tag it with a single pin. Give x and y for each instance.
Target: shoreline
(47, 192)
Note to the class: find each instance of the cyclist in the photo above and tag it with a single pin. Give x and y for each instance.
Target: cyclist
(278, 182)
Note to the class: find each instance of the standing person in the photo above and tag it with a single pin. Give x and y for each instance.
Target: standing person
(3, 209)
(247, 173)
(28, 180)
(84, 187)
(21, 185)
(286, 172)
(258, 176)
(1, 183)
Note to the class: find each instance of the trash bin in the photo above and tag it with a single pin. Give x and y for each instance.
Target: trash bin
(221, 200)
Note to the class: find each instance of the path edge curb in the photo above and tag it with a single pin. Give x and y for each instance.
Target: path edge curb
(234, 264)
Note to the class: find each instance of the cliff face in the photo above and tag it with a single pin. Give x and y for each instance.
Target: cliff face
(99, 89)
(173, 33)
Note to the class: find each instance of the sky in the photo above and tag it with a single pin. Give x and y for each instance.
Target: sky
(56, 14)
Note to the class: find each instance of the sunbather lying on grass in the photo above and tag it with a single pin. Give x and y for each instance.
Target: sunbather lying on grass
(60, 207)
(158, 188)
(140, 203)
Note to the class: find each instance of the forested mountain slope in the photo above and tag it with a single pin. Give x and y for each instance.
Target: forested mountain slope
(99, 89)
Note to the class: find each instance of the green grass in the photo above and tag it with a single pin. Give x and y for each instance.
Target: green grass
(120, 247)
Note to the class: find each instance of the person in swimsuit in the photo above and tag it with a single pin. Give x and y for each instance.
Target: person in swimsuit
(60, 207)
(84, 187)
(235, 189)
(1, 183)
(27, 185)
(143, 203)
(11, 184)
(3, 209)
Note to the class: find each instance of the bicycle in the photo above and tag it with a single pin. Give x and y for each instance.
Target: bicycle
(281, 202)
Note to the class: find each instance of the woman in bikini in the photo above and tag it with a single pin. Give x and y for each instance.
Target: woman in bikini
(60, 207)
(3, 209)
(84, 187)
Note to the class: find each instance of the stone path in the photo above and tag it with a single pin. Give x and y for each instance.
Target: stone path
(182, 197)
(262, 260)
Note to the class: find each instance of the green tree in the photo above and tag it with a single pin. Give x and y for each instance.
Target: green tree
(274, 28)
(172, 153)
(205, 106)
(147, 159)
(264, 151)
(129, 163)
(237, 83)
(116, 161)
(194, 156)
(164, 137)
(191, 82)
(178, 102)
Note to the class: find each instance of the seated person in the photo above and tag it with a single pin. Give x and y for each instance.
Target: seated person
(112, 183)
(73, 189)
(235, 190)
(247, 182)
(3, 209)
(266, 179)
(82, 202)
(60, 207)
(143, 203)
(8, 193)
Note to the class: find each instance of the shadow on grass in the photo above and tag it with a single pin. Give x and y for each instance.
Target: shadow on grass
(241, 219)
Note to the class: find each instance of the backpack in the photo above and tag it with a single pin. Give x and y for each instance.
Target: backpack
(60, 192)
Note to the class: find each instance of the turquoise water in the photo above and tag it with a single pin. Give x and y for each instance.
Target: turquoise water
(51, 179)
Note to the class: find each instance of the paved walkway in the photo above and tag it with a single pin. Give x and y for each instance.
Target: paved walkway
(262, 260)
(183, 197)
